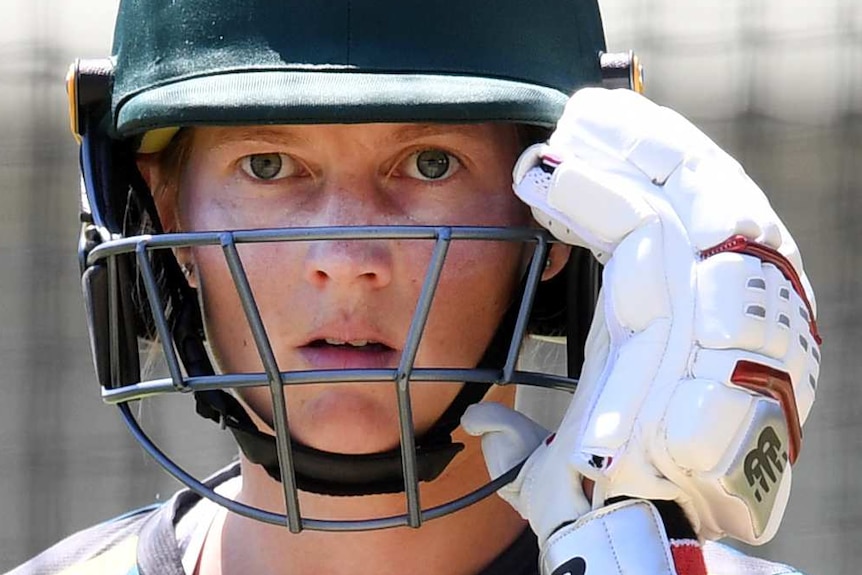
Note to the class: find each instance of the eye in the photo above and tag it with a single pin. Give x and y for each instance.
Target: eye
(431, 164)
(269, 166)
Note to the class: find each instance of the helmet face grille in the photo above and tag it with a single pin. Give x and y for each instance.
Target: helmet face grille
(135, 289)
(185, 373)
(184, 63)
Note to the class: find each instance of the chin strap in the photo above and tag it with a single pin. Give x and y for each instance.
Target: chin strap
(321, 471)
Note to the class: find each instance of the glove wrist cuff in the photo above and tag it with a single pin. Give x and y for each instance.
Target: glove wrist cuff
(626, 538)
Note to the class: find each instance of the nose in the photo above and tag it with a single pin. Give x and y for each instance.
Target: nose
(349, 264)
(350, 202)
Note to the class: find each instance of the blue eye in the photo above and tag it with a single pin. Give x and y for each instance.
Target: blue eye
(431, 165)
(268, 166)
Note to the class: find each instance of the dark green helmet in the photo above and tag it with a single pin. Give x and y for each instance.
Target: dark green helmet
(187, 62)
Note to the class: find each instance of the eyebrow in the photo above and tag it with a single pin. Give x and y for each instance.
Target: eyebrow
(228, 135)
(282, 134)
(409, 132)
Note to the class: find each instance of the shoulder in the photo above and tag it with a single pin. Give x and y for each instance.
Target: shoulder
(141, 542)
(107, 548)
(724, 560)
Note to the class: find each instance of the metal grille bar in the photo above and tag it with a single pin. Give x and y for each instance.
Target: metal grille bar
(154, 387)
(156, 308)
(308, 523)
(537, 265)
(279, 409)
(193, 239)
(402, 380)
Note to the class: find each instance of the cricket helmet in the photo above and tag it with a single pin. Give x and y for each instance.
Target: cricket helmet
(185, 63)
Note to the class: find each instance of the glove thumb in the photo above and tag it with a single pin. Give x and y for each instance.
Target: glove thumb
(508, 437)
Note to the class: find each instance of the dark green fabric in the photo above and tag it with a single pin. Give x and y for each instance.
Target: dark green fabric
(185, 62)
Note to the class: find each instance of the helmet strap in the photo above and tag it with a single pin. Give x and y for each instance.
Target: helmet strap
(319, 471)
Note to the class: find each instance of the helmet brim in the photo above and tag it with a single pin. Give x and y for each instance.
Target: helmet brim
(334, 96)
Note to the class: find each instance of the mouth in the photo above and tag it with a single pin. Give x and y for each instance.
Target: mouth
(334, 353)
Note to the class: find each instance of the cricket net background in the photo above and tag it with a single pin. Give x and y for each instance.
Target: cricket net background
(778, 83)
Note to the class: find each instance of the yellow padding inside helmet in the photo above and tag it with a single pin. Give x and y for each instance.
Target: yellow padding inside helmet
(156, 140)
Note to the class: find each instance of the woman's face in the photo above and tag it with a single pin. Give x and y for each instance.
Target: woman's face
(348, 304)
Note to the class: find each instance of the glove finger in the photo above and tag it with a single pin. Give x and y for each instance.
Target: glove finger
(636, 280)
(808, 387)
(638, 315)
(508, 437)
(606, 125)
(800, 359)
(581, 205)
(529, 159)
(664, 155)
(776, 339)
(614, 407)
(732, 308)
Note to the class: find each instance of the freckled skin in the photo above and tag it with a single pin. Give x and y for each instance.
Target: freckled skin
(344, 175)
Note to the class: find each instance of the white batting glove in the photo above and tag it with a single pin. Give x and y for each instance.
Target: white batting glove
(703, 357)
(626, 538)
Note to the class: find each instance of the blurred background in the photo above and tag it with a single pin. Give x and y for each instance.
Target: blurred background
(778, 83)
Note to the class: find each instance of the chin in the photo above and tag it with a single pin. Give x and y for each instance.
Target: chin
(345, 419)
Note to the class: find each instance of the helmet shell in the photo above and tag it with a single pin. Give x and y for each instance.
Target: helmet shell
(191, 62)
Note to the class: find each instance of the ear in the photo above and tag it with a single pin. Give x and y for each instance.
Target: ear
(558, 255)
(186, 260)
(164, 190)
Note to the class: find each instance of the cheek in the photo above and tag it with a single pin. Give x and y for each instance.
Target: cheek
(477, 286)
(228, 332)
(211, 214)
(478, 282)
(497, 206)
(209, 201)
(226, 326)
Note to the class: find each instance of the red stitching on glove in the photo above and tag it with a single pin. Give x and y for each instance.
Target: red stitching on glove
(742, 245)
(776, 384)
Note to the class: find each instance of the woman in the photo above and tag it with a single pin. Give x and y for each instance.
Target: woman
(339, 179)
(349, 304)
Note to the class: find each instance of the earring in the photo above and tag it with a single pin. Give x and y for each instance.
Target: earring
(188, 269)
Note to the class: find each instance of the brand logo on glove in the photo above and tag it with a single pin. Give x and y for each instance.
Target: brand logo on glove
(576, 566)
(765, 463)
